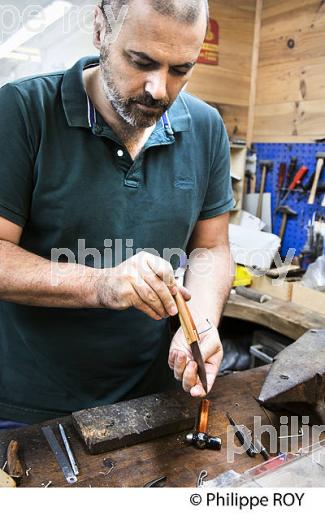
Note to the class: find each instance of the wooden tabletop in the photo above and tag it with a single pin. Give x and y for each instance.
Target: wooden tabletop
(169, 456)
(286, 318)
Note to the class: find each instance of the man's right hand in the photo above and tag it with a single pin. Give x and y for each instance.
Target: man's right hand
(145, 282)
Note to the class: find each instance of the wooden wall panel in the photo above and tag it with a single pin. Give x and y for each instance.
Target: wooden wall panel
(223, 88)
(290, 122)
(228, 85)
(235, 119)
(291, 82)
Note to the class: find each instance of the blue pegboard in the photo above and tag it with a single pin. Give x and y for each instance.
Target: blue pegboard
(296, 231)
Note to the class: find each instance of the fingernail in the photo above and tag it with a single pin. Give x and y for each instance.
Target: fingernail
(173, 310)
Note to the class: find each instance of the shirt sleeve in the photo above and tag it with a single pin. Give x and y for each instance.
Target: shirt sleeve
(16, 157)
(219, 196)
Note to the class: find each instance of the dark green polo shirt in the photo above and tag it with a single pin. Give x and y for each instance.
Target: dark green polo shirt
(65, 177)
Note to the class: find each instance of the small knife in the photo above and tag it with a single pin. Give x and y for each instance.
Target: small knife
(192, 337)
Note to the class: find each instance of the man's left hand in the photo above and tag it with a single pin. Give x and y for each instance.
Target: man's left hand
(181, 358)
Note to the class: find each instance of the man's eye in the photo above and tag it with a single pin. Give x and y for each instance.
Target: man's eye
(142, 64)
(179, 72)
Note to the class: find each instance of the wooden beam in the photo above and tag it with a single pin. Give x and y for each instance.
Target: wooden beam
(255, 60)
(127, 423)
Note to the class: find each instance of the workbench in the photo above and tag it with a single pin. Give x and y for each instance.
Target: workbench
(286, 318)
(168, 456)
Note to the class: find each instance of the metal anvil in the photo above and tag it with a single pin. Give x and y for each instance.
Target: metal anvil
(296, 381)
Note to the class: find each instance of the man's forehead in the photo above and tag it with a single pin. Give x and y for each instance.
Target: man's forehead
(154, 32)
(148, 23)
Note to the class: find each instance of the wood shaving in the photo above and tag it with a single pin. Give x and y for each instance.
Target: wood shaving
(46, 485)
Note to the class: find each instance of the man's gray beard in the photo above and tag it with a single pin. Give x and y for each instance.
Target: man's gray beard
(113, 96)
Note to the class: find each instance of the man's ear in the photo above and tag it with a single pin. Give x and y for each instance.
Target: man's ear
(99, 28)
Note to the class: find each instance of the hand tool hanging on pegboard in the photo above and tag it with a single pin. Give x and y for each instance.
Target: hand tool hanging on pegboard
(281, 178)
(320, 164)
(250, 174)
(295, 182)
(266, 168)
(291, 171)
(286, 212)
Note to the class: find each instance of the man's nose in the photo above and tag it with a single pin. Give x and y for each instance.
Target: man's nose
(156, 85)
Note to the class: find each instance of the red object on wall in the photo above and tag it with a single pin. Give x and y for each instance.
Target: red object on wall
(210, 50)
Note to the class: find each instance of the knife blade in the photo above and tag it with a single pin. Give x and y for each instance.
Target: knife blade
(192, 337)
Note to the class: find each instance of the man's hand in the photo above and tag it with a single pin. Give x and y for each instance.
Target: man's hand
(145, 282)
(181, 359)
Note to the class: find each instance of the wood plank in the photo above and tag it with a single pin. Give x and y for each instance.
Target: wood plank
(110, 427)
(233, 10)
(308, 45)
(279, 119)
(220, 85)
(275, 138)
(254, 67)
(306, 118)
(312, 118)
(288, 319)
(235, 119)
(278, 16)
(229, 82)
(291, 81)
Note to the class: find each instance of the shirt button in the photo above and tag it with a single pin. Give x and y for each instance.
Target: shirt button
(120, 153)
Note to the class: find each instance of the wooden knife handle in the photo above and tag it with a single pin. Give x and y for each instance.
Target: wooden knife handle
(15, 468)
(186, 320)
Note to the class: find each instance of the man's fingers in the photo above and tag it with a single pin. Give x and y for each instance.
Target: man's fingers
(212, 369)
(141, 306)
(149, 298)
(210, 346)
(163, 293)
(171, 359)
(190, 376)
(185, 293)
(197, 391)
(164, 271)
(179, 365)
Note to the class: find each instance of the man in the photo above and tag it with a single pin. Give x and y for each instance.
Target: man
(111, 156)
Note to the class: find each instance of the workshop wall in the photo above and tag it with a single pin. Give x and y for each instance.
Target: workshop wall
(290, 103)
(228, 84)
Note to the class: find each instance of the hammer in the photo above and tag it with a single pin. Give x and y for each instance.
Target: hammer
(320, 156)
(286, 213)
(200, 438)
(266, 167)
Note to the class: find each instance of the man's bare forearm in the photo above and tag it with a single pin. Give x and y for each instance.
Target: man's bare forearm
(209, 279)
(28, 279)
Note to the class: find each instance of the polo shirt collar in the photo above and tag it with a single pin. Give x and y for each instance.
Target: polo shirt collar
(78, 108)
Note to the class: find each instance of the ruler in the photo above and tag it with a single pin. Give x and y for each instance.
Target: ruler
(59, 455)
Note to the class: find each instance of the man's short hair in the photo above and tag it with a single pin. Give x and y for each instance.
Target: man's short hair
(185, 11)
